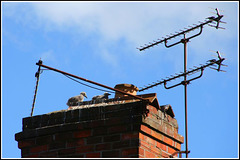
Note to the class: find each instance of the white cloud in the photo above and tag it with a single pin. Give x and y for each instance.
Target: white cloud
(109, 58)
(48, 56)
(136, 22)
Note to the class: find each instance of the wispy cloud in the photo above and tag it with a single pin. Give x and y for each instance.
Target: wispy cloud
(136, 22)
(48, 56)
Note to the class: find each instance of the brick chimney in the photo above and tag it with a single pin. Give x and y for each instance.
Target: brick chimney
(119, 127)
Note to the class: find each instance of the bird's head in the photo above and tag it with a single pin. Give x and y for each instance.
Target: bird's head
(107, 94)
(84, 94)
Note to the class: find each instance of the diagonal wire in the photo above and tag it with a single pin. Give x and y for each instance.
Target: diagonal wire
(87, 85)
(81, 82)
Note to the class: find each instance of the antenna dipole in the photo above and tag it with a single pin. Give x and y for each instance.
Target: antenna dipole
(185, 40)
(201, 68)
(208, 21)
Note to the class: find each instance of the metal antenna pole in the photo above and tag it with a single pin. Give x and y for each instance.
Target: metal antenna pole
(37, 75)
(185, 91)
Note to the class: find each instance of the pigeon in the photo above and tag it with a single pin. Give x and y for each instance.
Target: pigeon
(73, 101)
(101, 98)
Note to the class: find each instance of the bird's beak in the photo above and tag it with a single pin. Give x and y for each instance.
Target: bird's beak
(85, 96)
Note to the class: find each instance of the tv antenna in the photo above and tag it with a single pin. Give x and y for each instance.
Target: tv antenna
(212, 21)
(210, 63)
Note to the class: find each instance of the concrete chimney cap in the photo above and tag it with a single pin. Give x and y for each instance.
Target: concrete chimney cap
(124, 85)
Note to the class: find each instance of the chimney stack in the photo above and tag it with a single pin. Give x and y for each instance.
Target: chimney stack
(119, 128)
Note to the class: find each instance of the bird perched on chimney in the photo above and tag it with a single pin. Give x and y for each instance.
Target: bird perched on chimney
(101, 98)
(73, 101)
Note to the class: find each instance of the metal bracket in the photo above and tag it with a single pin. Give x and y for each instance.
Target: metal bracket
(184, 82)
(180, 153)
(202, 69)
(185, 39)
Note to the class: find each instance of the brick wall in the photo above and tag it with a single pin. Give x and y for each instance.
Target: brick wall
(130, 129)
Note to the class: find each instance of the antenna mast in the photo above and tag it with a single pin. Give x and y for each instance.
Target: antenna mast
(185, 40)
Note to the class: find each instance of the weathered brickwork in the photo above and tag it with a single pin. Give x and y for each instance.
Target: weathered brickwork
(132, 129)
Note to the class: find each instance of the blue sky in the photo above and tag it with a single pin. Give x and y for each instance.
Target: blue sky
(98, 41)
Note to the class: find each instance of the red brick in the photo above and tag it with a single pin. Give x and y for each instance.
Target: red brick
(144, 144)
(32, 156)
(129, 151)
(85, 149)
(39, 148)
(133, 156)
(94, 140)
(66, 151)
(110, 154)
(93, 155)
(157, 135)
(97, 123)
(161, 128)
(181, 138)
(76, 156)
(150, 116)
(175, 130)
(121, 144)
(141, 156)
(116, 129)
(141, 151)
(175, 135)
(19, 136)
(44, 140)
(162, 146)
(178, 145)
(134, 142)
(171, 150)
(165, 155)
(81, 134)
(99, 131)
(170, 131)
(53, 154)
(146, 129)
(75, 143)
(159, 155)
(25, 151)
(104, 146)
(120, 113)
(80, 126)
(63, 136)
(168, 141)
(113, 121)
(150, 141)
(57, 145)
(141, 136)
(132, 135)
(26, 143)
(152, 109)
(149, 154)
(112, 108)
(111, 138)
(154, 149)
